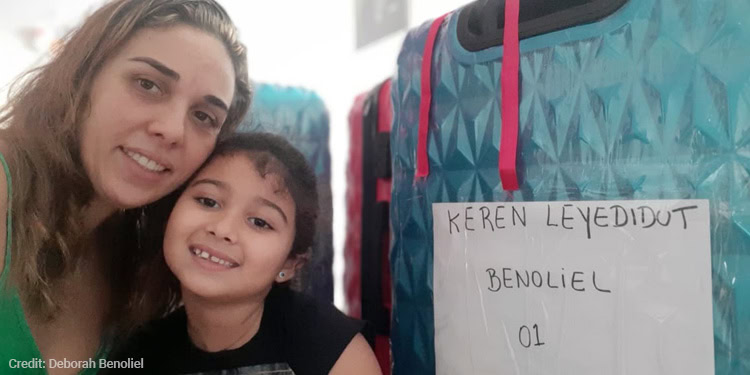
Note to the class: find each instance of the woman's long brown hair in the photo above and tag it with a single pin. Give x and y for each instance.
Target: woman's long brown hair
(41, 143)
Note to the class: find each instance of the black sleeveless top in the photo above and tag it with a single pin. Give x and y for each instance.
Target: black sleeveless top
(297, 336)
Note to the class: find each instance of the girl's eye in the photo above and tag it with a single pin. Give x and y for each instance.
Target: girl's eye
(207, 202)
(205, 118)
(260, 223)
(148, 85)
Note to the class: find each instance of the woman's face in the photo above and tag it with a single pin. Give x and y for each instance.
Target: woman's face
(231, 232)
(156, 109)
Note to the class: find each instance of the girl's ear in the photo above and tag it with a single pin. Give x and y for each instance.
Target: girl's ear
(292, 266)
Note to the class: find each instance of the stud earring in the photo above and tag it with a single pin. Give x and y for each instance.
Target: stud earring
(282, 274)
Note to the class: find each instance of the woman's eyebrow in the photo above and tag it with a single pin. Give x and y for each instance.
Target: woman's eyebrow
(158, 66)
(163, 69)
(217, 102)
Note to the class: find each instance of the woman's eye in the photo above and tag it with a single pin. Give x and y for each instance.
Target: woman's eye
(148, 85)
(205, 118)
(207, 202)
(260, 223)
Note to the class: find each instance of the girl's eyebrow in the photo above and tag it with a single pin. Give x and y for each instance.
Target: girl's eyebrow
(223, 186)
(272, 205)
(210, 181)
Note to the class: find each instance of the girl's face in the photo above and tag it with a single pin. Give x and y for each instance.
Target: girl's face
(156, 108)
(231, 232)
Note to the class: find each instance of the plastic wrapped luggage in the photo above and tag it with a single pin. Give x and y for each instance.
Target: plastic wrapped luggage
(367, 275)
(649, 100)
(301, 116)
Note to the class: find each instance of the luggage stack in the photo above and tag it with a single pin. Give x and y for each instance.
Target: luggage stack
(643, 100)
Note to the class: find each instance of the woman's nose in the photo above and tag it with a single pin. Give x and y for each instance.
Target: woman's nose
(169, 126)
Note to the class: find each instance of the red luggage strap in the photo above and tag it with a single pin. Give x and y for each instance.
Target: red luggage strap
(509, 92)
(423, 164)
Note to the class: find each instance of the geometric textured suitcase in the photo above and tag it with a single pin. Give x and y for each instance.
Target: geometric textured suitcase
(649, 101)
(302, 118)
(353, 242)
(368, 272)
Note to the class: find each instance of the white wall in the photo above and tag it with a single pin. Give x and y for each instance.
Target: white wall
(49, 19)
(291, 42)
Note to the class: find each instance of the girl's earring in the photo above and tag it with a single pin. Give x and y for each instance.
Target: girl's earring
(282, 275)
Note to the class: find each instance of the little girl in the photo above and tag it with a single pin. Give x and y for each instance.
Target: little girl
(236, 236)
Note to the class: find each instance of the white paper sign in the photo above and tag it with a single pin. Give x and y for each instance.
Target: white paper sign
(610, 287)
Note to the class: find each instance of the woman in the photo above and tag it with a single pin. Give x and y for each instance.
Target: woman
(128, 108)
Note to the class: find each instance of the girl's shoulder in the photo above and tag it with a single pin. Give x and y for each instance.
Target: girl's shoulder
(316, 331)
